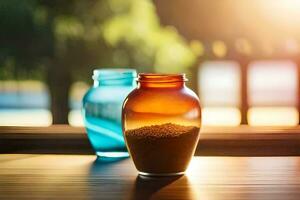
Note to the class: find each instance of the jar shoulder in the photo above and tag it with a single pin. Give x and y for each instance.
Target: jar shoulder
(190, 94)
(147, 98)
(91, 94)
(102, 94)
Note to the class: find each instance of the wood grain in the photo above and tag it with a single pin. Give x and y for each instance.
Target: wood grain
(27, 176)
(222, 141)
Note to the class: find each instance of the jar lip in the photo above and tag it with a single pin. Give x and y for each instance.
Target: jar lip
(113, 73)
(161, 78)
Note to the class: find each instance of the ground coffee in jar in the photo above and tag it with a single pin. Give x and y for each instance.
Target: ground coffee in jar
(161, 120)
(162, 149)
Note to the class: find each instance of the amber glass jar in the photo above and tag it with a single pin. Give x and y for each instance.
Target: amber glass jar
(161, 120)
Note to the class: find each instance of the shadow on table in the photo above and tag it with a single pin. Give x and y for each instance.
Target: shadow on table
(108, 179)
(103, 165)
(159, 187)
(112, 178)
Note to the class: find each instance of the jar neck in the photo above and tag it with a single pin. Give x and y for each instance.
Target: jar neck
(175, 81)
(114, 77)
(123, 82)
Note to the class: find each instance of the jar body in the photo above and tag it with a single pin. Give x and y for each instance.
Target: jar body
(101, 111)
(161, 124)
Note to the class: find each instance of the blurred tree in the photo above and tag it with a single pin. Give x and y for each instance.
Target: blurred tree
(66, 39)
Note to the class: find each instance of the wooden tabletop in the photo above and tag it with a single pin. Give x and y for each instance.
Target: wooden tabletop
(27, 176)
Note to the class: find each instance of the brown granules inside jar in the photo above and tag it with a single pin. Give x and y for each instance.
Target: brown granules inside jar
(162, 149)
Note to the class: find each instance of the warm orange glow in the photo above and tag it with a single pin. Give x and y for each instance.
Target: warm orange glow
(219, 48)
(243, 46)
(273, 116)
(221, 116)
(257, 116)
(197, 47)
(286, 12)
(26, 117)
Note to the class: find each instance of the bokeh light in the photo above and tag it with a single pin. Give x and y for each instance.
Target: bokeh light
(219, 48)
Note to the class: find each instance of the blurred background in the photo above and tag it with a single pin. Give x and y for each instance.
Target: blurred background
(242, 58)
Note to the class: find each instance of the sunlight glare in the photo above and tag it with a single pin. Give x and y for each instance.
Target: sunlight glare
(221, 116)
(25, 117)
(281, 12)
(75, 118)
(273, 116)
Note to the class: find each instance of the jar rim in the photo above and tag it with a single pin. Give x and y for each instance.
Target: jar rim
(161, 78)
(113, 74)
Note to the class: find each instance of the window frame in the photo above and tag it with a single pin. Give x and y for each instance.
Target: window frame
(244, 64)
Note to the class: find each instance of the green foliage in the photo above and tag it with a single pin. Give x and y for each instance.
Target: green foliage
(24, 38)
(80, 35)
(138, 27)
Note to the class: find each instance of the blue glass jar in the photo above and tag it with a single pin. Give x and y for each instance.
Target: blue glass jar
(102, 107)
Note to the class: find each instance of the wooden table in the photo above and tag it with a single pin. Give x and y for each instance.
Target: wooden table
(28, 176)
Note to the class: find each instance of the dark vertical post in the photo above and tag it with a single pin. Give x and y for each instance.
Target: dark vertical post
(59, 81)
(297, 61)
(244, 89)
